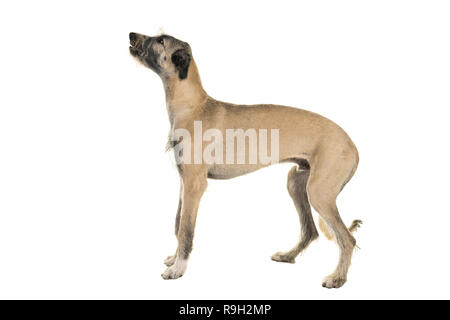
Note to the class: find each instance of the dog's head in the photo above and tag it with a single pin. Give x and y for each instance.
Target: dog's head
(165, 55)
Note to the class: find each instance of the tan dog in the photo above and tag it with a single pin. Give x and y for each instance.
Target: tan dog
(326, 157)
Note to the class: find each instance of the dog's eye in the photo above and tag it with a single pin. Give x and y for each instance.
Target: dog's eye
(161, 41)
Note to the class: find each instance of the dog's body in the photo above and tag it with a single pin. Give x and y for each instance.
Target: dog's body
(326, 157)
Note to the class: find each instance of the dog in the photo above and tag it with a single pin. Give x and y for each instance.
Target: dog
(324, 155)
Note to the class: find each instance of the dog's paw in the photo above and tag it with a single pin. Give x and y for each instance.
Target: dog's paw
(170, 260)
(176, 270)
(283, 257)
(333, 281)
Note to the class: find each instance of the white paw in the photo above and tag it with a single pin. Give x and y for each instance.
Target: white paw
(333, 281)
(170, 260)
(176, 270)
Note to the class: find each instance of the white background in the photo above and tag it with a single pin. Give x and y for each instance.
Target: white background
(88, 195)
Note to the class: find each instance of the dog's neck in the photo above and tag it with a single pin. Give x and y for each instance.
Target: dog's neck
(184, 96)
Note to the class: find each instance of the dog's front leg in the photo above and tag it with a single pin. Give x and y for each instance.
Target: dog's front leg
(194, 185)
(170, 260)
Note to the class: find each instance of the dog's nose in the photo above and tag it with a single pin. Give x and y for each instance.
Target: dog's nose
(133, 36)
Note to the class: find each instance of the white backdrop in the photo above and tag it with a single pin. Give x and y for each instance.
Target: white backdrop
(88, 195)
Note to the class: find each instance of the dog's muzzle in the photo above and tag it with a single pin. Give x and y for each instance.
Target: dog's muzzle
(135, 44)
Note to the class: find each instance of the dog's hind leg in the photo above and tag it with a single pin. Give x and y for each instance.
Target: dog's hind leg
(296, 185)
(328, 175)
(329, 233)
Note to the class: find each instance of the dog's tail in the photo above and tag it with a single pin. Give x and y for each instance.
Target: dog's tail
(328, 233)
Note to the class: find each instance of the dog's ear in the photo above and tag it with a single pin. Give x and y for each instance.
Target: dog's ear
(181, 59)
